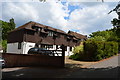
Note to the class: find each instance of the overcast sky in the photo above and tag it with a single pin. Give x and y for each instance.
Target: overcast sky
(82, 17)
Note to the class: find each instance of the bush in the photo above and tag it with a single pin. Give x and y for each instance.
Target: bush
(75, 56)
(78, 49)
(97, 38)
(4, 45)
(97, 50)
(78, 52)
(119, 46)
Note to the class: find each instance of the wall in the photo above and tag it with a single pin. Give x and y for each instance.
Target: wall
(32, 36)
(13, 48)
(67, 53)
(27, 46)
(22, 60)
(1, 51)
(15, 36)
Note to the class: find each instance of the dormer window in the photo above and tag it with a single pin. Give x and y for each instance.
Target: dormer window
(43, 31)
(39, 29)
(50, 33)
(54, 36)
(68, 38)
(75, 40)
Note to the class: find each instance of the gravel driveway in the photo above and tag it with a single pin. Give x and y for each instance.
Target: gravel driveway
(108, 68)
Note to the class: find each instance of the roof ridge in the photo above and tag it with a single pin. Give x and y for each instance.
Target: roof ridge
(36, 23)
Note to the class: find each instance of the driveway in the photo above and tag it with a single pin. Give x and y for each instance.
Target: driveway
(73, 69)
(108, 68)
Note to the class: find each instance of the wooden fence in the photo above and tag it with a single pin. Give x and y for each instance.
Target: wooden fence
(22, 60)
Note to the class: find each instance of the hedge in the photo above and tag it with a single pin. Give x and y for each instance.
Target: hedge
(119, 44)
(96, 50)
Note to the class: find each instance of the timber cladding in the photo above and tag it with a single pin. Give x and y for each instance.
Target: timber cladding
(26, 33)
(27, 60)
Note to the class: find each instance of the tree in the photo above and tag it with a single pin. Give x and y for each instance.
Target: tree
(6, 27)
(115, 21)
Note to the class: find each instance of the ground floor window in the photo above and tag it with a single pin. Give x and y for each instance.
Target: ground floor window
(46, 46)
(49, 46)
(56, 46)
(70, 48)
(65, 48)
(42, 46)
(19, 45)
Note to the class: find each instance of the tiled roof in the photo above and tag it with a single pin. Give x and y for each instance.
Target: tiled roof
(31, 23)
(77, 35)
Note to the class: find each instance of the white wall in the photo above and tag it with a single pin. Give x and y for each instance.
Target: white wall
(1, 51)
(13, 48)
(25, 46)
(68, 52)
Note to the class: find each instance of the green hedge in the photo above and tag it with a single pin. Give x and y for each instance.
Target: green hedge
(119, 44)
(78, 53)
(94, 50)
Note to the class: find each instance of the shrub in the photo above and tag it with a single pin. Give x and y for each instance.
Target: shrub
(119, 46)
(97, 38)
(4, 44)
(97, 50)
(78, 52)
(75, 56)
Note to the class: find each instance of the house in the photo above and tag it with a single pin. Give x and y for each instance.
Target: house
(77, 35)
(33, 34)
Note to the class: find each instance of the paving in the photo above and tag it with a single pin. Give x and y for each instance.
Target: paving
(108, 68)
(73, 69)
(110, 62)
(77, 64)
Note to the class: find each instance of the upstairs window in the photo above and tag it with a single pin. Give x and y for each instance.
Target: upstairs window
(30, 32)
(58, 35)
(65, 37)
(50, 33)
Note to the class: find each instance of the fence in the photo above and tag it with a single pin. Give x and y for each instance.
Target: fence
(23, 60)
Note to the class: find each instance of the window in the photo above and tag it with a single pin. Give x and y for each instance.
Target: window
(56, 46)
(30, 32)
(42, 46)
(50, 33)
(58, 35)
(65, 48)
(19, 45)
(49, 46)
(70, 48)
(65, 36)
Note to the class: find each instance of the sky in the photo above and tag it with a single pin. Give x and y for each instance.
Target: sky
(79, 16)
